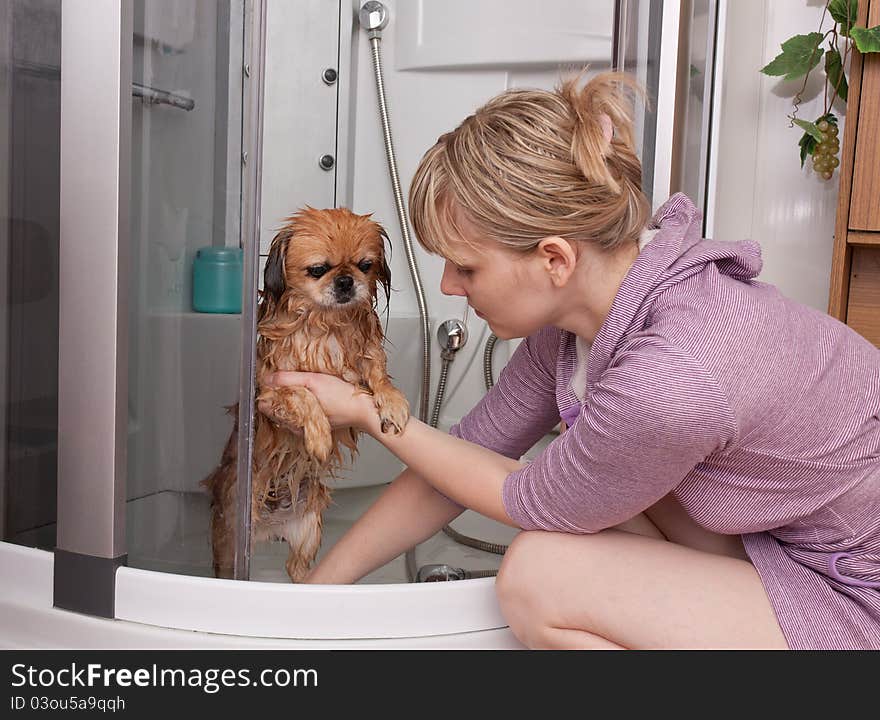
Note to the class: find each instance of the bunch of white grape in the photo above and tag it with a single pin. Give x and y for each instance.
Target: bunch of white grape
(825, 153)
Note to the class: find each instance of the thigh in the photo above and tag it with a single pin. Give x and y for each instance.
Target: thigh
(670, 518)
(635, 591)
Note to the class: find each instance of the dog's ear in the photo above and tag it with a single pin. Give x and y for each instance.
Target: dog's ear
(273, 276)
(384, 274)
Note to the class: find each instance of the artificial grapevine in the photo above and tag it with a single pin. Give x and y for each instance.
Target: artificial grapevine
(800, 55)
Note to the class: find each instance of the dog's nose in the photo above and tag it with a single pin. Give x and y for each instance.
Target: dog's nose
(344, 283)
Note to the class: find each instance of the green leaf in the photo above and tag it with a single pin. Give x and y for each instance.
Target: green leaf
(810, 128)
(807, 144)
(799, 55)
(844, 13)
(834, 70)
(866, 40)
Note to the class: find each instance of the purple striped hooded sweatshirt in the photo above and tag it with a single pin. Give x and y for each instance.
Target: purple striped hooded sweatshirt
(760, 415)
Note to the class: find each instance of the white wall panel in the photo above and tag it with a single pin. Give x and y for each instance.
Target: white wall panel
(762, 192)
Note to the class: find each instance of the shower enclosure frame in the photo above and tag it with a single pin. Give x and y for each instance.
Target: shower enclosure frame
(93, 316)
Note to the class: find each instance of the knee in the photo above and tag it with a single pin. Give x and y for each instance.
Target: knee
(518, 587)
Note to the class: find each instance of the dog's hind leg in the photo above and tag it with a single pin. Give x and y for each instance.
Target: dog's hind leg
(222, 543)
(304, 539)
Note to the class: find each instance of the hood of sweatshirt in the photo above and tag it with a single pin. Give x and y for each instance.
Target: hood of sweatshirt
(676, 253)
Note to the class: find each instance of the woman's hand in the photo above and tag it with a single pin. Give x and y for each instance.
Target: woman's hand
(344, 404)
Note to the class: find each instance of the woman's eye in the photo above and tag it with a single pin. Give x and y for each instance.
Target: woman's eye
(365, 265)
(467, 272)
(317, 271)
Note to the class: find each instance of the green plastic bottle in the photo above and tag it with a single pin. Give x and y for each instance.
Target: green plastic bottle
(217, 273)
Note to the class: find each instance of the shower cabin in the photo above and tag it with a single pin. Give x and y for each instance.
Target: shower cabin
(136, 134)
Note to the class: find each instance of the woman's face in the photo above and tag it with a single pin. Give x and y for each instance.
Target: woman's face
(505, 288)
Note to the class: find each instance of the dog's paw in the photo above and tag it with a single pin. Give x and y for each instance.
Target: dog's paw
(298, 569)
(393, 409)
(275, 410)
(318, 438)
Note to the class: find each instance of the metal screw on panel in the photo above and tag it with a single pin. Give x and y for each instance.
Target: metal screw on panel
(247, 70)
(327, 162)
(329, 76)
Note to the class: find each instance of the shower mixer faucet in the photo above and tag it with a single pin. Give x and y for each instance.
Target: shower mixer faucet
(452, 336)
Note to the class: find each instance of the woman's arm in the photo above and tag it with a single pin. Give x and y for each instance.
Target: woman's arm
(408, 512)
(465, 473)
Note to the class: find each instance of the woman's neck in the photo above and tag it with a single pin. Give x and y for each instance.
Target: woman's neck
(587, 300)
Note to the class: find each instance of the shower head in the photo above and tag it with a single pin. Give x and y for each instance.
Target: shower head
(373, 16)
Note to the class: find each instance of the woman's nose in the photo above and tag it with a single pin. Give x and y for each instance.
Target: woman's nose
(449, 282)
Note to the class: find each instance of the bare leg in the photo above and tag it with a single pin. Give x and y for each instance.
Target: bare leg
(620, 589)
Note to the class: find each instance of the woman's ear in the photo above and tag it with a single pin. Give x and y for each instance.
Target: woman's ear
(558, 258)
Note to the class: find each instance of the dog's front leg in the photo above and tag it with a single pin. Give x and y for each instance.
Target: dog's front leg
(298, 410)
(391, 404)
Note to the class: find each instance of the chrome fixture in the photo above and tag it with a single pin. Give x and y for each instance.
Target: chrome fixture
(373, 17)
(148, 94)
(441, 572)
(452, 336)
(326, 162)
(154, 96)
(329, 76)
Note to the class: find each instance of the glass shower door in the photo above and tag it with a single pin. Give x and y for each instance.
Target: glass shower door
(185, 340)
(30, 120)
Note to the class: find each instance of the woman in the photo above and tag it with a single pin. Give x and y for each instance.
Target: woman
(718, 485)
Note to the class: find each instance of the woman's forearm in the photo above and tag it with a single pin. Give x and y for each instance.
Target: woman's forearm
(408, 512)
(462, 471)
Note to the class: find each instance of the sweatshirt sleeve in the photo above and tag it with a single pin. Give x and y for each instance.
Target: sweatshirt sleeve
(652, 416)
(521, 407)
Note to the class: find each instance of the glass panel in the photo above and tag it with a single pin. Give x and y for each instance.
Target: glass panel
(698, 100)
(186, 225)
(30, 122)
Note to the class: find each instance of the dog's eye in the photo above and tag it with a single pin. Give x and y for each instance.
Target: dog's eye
(317, 271)
(365, 265)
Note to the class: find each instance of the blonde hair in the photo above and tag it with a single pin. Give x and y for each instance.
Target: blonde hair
(530, 164)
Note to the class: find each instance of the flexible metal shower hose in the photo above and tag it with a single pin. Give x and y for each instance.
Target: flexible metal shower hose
(487, 361)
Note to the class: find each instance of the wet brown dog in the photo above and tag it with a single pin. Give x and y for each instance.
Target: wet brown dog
(317, 314)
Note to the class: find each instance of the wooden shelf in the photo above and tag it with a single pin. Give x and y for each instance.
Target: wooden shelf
(854, 296)
(863, 238)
